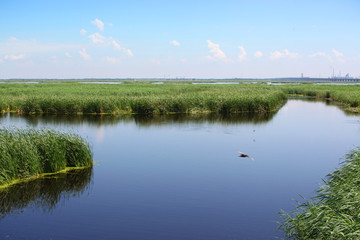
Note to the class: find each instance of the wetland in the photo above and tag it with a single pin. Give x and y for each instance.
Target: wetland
(178, 176)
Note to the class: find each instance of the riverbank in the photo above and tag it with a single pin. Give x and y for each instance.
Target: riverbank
(27, 154)
(334, 212)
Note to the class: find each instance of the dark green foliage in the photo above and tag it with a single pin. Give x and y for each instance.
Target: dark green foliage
(27, 152)
(335, 212)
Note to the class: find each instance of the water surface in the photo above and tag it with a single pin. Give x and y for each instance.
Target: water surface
(179, 177)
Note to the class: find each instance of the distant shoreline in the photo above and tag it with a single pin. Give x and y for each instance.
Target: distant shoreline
(285, 79)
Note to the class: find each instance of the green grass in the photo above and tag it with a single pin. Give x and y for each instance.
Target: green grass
(72, 98)
(348, 95)
(334, 213)
(26, 153)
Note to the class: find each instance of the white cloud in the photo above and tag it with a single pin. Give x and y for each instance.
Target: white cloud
(242, 54)
(84, 54)
(128, 52)
(290, 54)
(258, 54)
(99, 24)
(68, 55)
(286, 53)
(337, 54)
(97, 38)
(111, 60)
(116, 45)
(276, 55)
(318, 54)
(124, 50)
(15, 57)
(217, 53)
(82, 31)
(174, 43)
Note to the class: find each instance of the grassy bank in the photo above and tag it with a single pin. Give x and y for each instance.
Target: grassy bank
(335, 212)
(71, 98)
(27, 153)
(347, 95)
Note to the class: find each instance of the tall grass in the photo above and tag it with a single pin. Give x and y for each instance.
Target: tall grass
(335, 212)
(347, 95)
(138, 98)
(28, 152)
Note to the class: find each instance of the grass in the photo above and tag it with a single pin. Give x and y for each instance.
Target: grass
(29, 153)
(73, 98)
(334, 213)
(348, 95)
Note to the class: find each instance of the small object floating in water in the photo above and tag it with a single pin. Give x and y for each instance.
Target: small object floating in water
(244, 155)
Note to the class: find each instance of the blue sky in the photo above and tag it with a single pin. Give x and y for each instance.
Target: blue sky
(200, 39)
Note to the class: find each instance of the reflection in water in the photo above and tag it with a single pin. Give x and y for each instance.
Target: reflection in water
(144, 120)
(246, 117)
(44, 193)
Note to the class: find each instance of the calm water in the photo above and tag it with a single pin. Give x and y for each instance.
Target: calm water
(179, 177)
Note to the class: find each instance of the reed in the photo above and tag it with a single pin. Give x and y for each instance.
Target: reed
(137, 98)
(27, 153)
(347, 95)
(334, 213)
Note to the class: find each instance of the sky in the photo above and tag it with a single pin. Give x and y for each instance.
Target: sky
(179, 39)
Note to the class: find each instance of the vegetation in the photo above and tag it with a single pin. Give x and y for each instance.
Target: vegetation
(347, 95)
(26, 153)
(335, 212)
(71, 98)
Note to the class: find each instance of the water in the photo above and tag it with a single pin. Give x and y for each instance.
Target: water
(179, 177)
(102, 82)
(215, 83)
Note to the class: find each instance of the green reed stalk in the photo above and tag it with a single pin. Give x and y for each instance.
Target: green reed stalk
(334, 213)
(28, 152)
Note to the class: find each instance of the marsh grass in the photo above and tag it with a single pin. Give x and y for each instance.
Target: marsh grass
(27, 153)
(348, 95)
(334, 213)
(137, 98)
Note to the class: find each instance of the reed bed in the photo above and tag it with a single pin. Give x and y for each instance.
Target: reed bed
(26, 153)
(348, 95)
(334, 213)
(137, 98)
